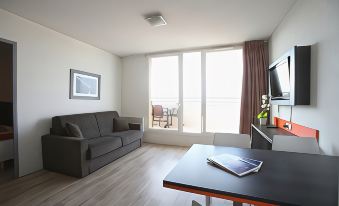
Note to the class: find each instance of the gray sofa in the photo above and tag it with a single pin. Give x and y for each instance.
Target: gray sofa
(106, 137)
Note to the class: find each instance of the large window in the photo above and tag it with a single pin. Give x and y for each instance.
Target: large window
(196, 92)
(192, 92)
(223, 90)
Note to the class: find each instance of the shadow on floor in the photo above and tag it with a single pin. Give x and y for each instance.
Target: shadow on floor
(6, 171)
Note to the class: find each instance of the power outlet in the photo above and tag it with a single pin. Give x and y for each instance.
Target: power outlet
(288, 126)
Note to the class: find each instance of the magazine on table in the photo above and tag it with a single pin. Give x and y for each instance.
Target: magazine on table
(235, 164)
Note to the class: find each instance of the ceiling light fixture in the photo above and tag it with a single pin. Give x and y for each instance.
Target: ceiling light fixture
(156, 20)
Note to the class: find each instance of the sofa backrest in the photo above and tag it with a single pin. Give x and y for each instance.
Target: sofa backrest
(87, 123)
(105, 121)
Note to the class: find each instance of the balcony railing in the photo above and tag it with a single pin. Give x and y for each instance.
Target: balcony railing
(222, 114)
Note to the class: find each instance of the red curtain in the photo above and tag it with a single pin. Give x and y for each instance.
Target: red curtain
(255, 82)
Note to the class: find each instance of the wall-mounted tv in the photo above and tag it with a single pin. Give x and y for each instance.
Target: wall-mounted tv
(280, 80)
(289, 77)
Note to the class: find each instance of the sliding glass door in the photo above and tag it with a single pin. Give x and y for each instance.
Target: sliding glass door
(196, 92)
(192, 92)
(164, 92)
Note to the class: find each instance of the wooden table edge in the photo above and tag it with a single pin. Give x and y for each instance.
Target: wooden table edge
(210, 194)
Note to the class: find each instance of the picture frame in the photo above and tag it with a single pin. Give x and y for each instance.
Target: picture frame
(84, 85)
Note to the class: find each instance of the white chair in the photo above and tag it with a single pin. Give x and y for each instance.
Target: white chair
(307, 145)
(232, 140)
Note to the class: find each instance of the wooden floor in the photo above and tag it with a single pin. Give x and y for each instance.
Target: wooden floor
(135, 179)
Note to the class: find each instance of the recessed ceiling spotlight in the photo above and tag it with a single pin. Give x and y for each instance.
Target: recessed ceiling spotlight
(156, 20)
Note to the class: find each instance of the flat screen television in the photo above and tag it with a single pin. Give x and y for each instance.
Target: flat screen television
(280, 80)
(289, 77)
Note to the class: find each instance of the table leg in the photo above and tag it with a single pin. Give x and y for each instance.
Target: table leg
(208, 200)
(237, 204)
(167, 120)
(171, 118)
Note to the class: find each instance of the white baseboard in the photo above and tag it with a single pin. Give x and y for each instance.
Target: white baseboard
(175, 138)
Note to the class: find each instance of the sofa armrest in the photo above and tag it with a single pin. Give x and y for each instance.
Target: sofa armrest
(65, 155)
(122, 123)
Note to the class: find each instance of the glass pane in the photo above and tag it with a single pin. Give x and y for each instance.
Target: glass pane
(164, 79)
(223, 90)
(192, 92)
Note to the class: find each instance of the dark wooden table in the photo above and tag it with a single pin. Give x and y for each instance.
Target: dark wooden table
(284, 179)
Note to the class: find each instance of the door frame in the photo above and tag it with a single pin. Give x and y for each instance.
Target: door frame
(15, 105)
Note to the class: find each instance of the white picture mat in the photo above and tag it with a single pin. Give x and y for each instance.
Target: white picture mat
(75, 93)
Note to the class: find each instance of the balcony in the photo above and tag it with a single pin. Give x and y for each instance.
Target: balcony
(222, 115)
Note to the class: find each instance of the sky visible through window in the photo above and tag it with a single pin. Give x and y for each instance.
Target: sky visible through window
(224, 70)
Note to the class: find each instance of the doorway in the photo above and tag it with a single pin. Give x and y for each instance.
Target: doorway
(8, 118)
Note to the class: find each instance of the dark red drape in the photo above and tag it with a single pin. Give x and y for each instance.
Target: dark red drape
(254, 82)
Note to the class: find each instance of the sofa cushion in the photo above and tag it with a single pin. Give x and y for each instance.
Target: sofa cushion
(129, 136)
(102, 145)
(86, 122)
(73, 130)
(105, 121)
(121, 124)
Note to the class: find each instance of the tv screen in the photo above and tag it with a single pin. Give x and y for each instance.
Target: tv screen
(280, 80)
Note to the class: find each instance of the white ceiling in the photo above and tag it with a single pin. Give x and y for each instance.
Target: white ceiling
(118, 26)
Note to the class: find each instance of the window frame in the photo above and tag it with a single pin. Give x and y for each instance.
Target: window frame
(179, 54)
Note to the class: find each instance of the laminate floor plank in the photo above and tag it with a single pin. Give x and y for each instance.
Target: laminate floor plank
(132, 180)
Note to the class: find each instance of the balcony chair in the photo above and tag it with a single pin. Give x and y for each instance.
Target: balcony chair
(158, 113)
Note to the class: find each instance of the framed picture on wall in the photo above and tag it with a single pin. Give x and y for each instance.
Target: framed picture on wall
(84, 85)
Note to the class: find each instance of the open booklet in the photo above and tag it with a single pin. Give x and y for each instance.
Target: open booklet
(235, 164)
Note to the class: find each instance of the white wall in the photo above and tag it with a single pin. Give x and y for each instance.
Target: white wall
(135, 86)
(314, 22)
(44, 59)
(135, 102)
